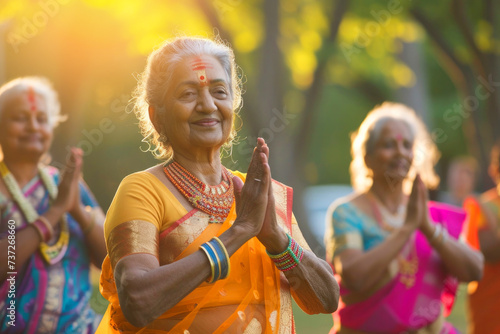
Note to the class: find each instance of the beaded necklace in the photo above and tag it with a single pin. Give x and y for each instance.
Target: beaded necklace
(51, 253)
(213, 200)
(387, 220)
(408, 267)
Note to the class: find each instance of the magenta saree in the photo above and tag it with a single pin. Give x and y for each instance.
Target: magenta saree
(418, 296)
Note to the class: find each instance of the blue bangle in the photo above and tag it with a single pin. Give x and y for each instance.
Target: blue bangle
(214, 262)
(221, 252)
(227, 258)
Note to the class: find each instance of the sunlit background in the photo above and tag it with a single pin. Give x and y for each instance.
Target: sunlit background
(311, 71)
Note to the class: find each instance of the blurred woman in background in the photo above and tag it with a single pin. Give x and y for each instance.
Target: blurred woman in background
(50, 225)
(397, 257)
(483, 233)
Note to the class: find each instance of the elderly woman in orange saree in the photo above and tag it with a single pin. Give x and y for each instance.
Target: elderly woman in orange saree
(192, 246)
(397, 257)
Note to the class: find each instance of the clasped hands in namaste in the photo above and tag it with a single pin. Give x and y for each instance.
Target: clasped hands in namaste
(255, 204)
(417, 214)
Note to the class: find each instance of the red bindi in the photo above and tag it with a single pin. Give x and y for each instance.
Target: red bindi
(199, 66)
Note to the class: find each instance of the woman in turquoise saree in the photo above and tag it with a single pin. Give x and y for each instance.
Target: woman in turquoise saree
(397, 257)
(50, 224)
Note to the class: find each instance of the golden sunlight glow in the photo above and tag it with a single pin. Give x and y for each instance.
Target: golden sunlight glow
(314, 16)
(302, 63)
(310, 40)
(10, 9)
(349, 29)
(409, 32)
(246, 41)
(403, 75)
(483, 36)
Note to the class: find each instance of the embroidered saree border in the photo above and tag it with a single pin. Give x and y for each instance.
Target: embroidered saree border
(135, 236)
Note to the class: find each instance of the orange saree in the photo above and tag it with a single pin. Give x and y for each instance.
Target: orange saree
(255, 298)
(483, 306)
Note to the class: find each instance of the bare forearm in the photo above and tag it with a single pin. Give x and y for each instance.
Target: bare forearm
(146, 294)
(92, 227)
(366, 269)
(96, 245)
(460, 260)
(313, 285)
(147, 290)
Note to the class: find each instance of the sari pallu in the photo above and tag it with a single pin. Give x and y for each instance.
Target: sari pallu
(404, 305)
(48, 298)
(255, 298)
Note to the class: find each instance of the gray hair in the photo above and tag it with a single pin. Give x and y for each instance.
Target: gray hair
(363, 140)
(41, 86)
(154, 82)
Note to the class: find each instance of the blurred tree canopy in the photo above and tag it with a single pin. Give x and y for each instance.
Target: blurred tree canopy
(312, 70)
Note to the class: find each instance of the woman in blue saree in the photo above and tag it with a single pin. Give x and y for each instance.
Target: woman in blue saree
(50, 224)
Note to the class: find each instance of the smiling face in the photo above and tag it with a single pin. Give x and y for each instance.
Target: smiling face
(24, 125)
(198, 106)
(392, 153)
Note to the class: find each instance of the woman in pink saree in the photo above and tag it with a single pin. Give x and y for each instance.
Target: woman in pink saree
(397, 257)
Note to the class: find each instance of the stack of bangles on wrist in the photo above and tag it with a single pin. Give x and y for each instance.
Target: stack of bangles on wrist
(219, 259)
(44, 228)
(290, 258)
(439, 236)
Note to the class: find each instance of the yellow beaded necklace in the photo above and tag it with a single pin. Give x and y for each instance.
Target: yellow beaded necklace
(51, 253)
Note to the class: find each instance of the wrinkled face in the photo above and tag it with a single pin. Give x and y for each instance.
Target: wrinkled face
(24, 125)
(198, 105)
(392, 154)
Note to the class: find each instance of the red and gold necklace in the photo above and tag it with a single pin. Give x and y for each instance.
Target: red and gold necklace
(214, 200)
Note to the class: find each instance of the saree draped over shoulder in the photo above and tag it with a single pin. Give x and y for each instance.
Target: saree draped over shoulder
(483, 299)
(48, 298)
(145, 217)
(416, 293)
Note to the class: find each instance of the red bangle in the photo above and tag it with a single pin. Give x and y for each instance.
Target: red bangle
(44, 227)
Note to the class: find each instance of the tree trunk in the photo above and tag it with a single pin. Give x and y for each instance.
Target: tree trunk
(415, 96)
